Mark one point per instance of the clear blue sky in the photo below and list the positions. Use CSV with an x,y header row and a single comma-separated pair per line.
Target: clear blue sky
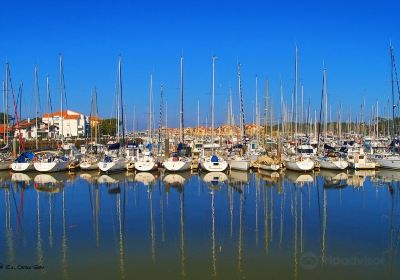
x,y
351,38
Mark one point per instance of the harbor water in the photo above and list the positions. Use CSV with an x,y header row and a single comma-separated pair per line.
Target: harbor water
x,y
324,225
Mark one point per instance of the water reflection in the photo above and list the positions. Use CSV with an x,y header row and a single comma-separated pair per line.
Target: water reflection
x,y
215,178
298,177
216,225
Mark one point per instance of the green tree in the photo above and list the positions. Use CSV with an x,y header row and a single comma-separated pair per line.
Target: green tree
x,y
108,127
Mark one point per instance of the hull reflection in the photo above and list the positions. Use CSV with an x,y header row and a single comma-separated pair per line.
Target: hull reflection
x,y
20,177
145,178
299,178
215,178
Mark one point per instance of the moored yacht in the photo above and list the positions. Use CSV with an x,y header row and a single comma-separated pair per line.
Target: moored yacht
x,y
299,164
176,163
24,162
332,163
267,163
146,163
213,164
51,161
112,164
359,160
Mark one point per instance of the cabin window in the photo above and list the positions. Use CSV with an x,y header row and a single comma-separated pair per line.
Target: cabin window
x,y
305,151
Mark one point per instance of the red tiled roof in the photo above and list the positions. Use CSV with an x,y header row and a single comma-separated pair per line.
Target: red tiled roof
x,y
71,117
2,128
58,114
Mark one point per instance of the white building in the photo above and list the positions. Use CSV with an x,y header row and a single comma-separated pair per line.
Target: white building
x,y
29,130
69,123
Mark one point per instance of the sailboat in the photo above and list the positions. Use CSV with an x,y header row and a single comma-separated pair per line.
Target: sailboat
x,y
392,159
89,162
54,161
357,159
25,161
179,162
298,162
238,161
5,155
332,160
213,163
332,163
94,150
115,159
146,162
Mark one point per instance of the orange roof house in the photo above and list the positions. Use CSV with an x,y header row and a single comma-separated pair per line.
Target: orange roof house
x,y
3,128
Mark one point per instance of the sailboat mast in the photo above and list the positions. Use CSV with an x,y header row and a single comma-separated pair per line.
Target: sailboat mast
x,y
181,126
212,103
161,120
231,106
36,106
392,82
47,105
257,113
266,111
302,109
5,117
62,98
150,109
198,117
282,109
242,125
166,118
120,103
96,114
295,93
326,107
133,122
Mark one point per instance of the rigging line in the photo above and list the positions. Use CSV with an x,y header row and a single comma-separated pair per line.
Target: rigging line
x,y
64,88
38,97
19,97
320,111
21,140
395,75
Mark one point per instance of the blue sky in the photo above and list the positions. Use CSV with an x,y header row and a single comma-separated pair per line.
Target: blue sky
x,y
352,39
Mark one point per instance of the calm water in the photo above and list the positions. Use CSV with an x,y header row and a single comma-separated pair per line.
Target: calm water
x,y
159,226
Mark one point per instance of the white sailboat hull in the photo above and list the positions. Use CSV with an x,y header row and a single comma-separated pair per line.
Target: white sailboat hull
x,y
392,163
300,165
53,166
362,165
22,166
113,166
209,166
89,165
145,166
176,166
5,165
240,164
333,164
269,167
